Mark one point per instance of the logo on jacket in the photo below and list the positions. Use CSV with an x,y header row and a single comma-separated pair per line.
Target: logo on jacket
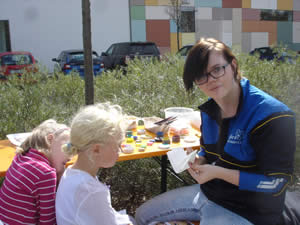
x,y
237,137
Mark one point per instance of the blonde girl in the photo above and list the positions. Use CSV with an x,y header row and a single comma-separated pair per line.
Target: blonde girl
x,y
28,192
97,132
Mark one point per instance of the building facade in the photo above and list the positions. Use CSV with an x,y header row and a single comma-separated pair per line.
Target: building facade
x,y
47,27
243,23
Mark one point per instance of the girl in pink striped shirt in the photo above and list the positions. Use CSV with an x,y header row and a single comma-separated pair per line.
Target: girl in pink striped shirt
x,y
27,195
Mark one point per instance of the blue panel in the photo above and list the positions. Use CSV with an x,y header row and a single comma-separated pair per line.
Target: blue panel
x,y
208,3
295,46
138,30
284,32
173,27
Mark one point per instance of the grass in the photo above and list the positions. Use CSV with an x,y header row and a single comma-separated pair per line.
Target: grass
x,y
146,89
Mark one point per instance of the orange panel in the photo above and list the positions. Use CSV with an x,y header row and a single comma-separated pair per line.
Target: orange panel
x,y
272,38
174,42
259,26
151,2
250,26
285,4
158,31
246,3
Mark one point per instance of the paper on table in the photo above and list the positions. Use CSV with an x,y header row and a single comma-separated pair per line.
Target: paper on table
x,y
122,217
18,138
179,159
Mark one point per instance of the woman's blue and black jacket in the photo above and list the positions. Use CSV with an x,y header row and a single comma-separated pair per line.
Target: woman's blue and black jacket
x,y
259,141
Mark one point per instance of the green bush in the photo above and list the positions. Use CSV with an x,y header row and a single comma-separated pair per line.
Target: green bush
x,y
145,90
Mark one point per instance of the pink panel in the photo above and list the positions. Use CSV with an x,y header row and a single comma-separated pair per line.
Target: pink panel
x,y
296,16
250,14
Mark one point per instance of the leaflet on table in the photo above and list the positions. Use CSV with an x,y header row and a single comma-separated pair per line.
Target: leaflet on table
x,y
17,138
179,159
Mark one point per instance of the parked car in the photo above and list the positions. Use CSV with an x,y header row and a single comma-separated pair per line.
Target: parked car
x,y
16,63
118,54
184,50
73,60
268,53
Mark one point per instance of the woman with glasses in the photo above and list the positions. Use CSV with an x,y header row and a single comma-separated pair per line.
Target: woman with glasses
x,y
247,149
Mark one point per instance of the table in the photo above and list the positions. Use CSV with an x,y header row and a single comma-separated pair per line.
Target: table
x,y
7,153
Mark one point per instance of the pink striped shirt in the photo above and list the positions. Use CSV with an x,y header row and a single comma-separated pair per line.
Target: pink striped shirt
x,y
27,195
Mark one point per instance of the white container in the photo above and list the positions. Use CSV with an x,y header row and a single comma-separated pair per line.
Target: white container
x,y
180,112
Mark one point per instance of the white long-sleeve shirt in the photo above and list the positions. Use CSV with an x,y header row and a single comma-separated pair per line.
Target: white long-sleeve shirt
x,y
83,200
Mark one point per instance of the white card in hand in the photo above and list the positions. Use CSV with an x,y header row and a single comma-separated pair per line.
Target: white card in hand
x,y
179,159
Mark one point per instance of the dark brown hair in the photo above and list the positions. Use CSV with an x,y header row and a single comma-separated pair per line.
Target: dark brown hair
x,y
197,60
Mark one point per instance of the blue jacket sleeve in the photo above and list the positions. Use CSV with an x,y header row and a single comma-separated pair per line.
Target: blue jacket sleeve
x,y
274,142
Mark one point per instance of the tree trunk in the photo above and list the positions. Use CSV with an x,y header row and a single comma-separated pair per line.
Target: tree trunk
x,y
87,46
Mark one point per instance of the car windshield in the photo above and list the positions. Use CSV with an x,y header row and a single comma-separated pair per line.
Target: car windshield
x,y
79,56
143,49
16,59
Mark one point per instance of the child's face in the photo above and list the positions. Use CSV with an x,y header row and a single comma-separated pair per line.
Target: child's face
x,y
109,154
57,158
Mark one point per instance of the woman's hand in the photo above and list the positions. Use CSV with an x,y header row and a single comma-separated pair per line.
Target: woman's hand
x,y
207,172
202,173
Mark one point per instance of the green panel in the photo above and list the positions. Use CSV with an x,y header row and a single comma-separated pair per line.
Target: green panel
x,y
284,32
295,47
137,12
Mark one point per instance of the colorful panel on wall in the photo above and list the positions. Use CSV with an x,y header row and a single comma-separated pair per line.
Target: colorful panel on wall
x,y
209,28
296,4
237,27
296,16
151,2
203,13
264,4
173,26
137,2
246,3
173,41
285,4
138,30
259,39
296,32
208,3
251,14
232,3
164,2
221,14
157,12
284,32
188,38
137,12
158,31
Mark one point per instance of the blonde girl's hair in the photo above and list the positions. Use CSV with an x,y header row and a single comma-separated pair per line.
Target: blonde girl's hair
x,y
38,138
100,123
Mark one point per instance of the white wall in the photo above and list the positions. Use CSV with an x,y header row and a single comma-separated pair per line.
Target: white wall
x,y
46,27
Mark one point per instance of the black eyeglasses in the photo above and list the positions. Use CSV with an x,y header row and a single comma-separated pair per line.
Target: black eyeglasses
x,y
216,73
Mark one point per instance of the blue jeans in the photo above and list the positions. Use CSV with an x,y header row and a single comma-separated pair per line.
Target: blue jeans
x,y
186,203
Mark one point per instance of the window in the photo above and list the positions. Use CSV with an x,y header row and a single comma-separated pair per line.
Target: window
x,y
187,24
276,15
146,49
4,36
